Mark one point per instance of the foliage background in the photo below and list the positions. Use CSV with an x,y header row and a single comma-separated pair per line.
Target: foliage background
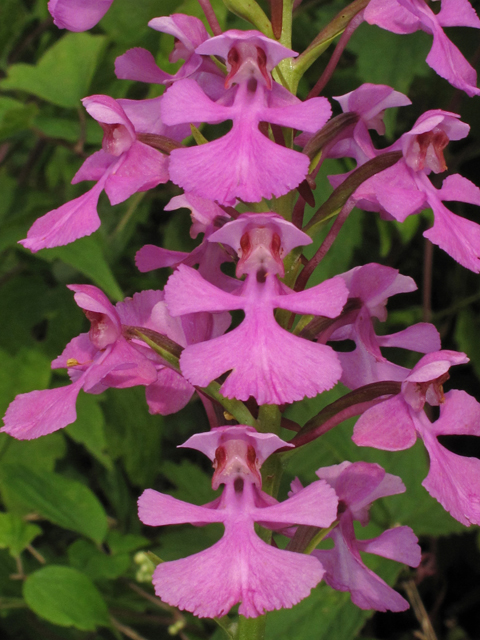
x,y
68,526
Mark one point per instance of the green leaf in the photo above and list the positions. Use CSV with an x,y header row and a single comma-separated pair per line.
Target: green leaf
x,y
86,255
65,596
133,434
68,129
63,74
124,543
89,428
23,306
65,502
126,26
35,454
15,533
26,371
15,116
84,556
329,613
193,484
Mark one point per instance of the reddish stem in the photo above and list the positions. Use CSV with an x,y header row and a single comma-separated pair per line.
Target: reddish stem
x,y
335,420
211,17
325,246
341,44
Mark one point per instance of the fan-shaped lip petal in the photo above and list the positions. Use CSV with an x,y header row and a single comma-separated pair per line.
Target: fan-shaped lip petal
x,y
232,232
238,568
221,45
264,443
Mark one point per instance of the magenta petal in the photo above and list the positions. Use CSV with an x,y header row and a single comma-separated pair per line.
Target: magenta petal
x,y
267,363
186,102
399,544
73,220
459,237
239,568
150,257
454,481
158,509
263,443
345,571
142,168
422,337
388,425
449,63
187,292
38,413
242,164
315,505
325,299
94,167
78,15
80,349
456,187
170,393
125,367
457,13
309,116
392,16
137,311
139,64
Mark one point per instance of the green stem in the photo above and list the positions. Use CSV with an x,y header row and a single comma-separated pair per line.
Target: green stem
x,y
315,541
251,628
236,408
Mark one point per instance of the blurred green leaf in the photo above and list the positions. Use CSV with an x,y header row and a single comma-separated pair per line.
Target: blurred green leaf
x,y
68,129
35,454
65,596
26,371
126,26
15,533
87,256
329,613
15,116
63,74
133,434
193,484
124,543
67,503
84,556
89,428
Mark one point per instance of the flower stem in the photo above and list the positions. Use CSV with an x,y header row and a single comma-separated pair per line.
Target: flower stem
x,y
251,628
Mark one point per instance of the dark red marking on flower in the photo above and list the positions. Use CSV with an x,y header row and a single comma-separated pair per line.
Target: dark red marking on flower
x,y
431,146
233,59
262,65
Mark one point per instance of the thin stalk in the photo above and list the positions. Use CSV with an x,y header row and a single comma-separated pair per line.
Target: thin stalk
x,y
332,63
325,37
211,17
427,281
251,628
170,351
325,246
315,541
